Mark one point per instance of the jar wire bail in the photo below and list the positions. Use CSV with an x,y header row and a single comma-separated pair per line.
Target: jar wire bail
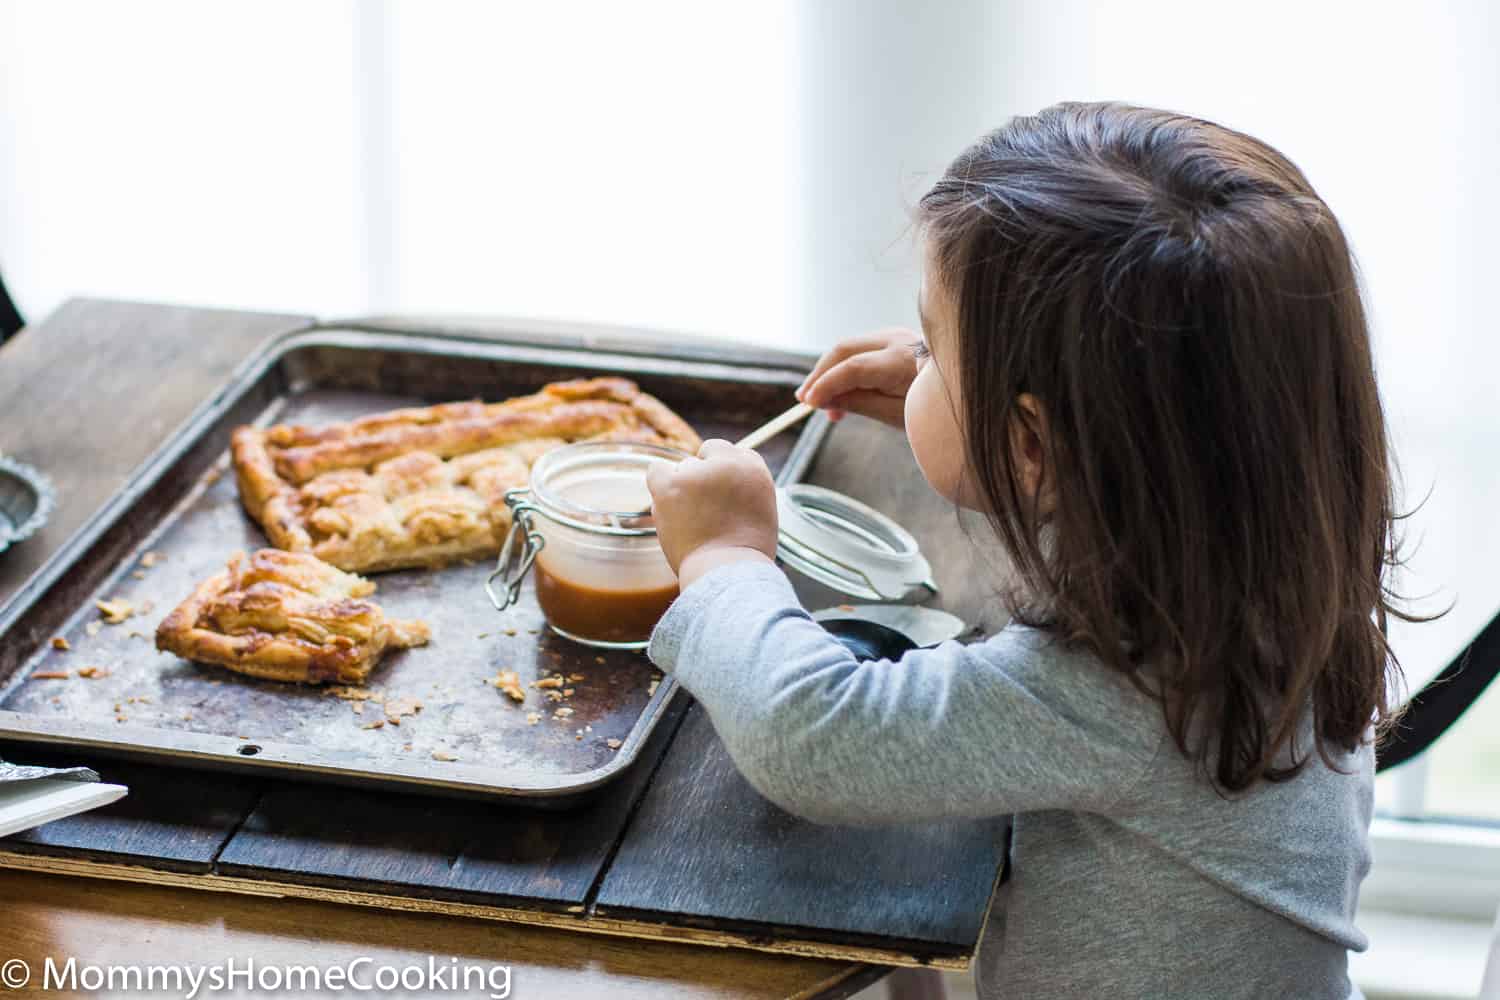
x,y
514,561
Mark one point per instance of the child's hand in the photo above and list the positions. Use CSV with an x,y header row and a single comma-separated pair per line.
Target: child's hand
x,y
719,507
868,375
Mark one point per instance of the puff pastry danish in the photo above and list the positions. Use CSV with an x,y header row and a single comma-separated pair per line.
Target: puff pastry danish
x,y
286,616
426,485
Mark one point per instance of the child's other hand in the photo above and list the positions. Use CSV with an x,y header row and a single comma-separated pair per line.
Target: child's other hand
x,y
868,375
718,507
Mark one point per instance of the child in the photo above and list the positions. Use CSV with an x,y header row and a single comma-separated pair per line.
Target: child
x,y
1144,359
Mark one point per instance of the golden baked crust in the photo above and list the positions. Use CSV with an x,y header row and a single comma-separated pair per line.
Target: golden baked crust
x,y
426,485
286,616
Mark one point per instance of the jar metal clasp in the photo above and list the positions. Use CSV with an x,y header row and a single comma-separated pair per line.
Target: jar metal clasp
x,y
522,543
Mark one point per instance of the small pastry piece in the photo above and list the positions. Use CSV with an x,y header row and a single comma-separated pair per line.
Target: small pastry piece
x,y
115,611
509,683
286,616
426,486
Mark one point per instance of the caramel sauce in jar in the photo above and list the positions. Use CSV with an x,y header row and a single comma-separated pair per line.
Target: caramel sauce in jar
x,y
597,587
584,611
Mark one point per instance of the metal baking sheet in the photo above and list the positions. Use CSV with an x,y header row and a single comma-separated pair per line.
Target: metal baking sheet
x,y
183,504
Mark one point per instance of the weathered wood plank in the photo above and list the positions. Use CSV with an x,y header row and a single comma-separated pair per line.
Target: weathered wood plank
x,y
173,819
705,847
441,848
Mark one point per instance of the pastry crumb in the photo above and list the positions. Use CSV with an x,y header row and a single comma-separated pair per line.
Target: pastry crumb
x,y
115,611
443,755
510,684
562,713
93,627
51,675
575,677
139,574
352,693
377,724
58,642
395,708
548,682
612,743
93,673
567,692
510,631
152,558
532,718
599,659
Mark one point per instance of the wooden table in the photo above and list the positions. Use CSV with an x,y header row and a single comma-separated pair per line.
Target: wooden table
x,y
122,923
89,394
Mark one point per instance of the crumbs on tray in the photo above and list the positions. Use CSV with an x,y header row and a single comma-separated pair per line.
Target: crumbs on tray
x,y
115,611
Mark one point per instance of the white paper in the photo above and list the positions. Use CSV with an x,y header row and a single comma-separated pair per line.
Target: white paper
x,y
25,804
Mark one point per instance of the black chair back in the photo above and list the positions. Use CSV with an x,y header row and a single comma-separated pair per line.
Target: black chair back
x,y
10,317
1435,708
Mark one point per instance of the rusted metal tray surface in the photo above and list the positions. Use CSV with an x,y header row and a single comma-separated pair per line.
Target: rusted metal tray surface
x,y
184,506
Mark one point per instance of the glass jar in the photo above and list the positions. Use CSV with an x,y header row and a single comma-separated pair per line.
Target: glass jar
x,y
583,527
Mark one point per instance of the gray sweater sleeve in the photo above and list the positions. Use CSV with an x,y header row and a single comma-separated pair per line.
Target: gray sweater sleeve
x,y
1014,723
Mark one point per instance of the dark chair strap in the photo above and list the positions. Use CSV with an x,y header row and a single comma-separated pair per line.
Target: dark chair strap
x,y
10,317
1443,699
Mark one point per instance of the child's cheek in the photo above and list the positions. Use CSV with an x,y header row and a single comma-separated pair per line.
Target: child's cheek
x,y
934,434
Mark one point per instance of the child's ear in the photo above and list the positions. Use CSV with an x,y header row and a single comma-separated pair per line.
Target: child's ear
x,y
1029,446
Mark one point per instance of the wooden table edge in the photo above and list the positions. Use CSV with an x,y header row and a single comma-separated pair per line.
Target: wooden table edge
x,y
588,924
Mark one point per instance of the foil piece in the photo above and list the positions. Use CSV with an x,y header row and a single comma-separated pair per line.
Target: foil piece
x,y
30,772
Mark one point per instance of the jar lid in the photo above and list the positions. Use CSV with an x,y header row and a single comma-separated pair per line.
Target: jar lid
x,y
849,546
26,498
599,486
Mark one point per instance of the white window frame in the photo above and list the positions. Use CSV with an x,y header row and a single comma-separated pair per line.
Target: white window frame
x,y
1431,867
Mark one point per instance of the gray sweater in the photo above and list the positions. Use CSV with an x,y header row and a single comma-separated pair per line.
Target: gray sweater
x,y
1130,876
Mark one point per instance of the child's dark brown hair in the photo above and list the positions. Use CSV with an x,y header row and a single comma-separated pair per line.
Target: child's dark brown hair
x,y
1185,309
